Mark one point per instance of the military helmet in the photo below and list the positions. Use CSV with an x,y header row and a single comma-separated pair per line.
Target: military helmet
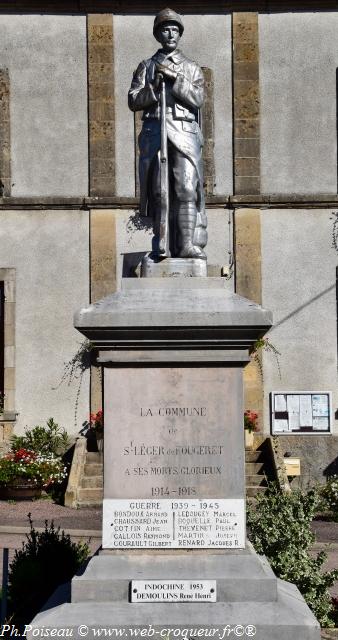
x,y
168,15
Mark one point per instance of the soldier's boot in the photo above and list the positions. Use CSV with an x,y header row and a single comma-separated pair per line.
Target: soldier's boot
x,y
186,223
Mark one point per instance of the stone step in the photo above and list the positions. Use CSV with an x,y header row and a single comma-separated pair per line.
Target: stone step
x,y
252,492
94,456
239,575
93,469
252,468
89,495
256,480
252,456
89,504
92,482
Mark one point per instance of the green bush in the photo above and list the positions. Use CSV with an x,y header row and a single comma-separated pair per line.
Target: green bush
x,y
280,528
46,560
48,440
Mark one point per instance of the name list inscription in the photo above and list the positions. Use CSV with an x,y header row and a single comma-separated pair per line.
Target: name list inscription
x,y
173,524
173,591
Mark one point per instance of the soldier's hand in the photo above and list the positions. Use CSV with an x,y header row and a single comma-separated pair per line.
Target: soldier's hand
x,y
166,72
158,80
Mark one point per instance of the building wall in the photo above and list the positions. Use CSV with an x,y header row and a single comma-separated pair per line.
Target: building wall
x,y
298,63
47,63
49,252
299,287
298,106
318,458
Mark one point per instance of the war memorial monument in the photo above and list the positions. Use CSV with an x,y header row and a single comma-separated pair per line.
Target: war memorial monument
x,y
175,561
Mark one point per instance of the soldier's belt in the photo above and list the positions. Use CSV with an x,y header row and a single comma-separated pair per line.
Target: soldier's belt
x,y
186,118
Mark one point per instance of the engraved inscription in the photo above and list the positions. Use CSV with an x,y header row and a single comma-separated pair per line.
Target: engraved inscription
x,y
173,436
173,591
173,524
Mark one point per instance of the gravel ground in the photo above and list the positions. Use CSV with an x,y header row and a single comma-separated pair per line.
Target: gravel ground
x,y
325,531
15,514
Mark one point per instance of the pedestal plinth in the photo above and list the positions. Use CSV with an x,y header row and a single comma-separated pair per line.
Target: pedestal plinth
x,y
175,560
173,267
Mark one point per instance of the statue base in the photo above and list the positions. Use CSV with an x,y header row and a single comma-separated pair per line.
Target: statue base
x,y
250,600
179,345
173,267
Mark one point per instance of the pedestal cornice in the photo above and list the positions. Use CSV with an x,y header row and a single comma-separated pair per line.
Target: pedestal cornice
x,y
173,314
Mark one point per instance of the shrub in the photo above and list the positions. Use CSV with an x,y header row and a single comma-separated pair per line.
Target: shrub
x,y
46,560
280,528
329,494
48,440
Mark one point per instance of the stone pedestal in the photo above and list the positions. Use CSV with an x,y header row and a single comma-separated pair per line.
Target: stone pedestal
x,y
175,560
251,602
173,267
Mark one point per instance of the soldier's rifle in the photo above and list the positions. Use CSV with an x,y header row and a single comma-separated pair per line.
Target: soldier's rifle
x,y
164,177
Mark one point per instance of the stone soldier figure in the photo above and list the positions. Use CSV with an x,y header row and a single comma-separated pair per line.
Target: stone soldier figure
x,y
170,72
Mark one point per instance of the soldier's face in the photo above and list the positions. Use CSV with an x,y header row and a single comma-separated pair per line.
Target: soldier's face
x,y
168,34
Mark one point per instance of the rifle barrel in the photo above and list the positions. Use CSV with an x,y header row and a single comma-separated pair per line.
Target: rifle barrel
x,y
164,178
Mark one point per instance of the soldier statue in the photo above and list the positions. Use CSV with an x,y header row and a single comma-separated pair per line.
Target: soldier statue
x,y
168,88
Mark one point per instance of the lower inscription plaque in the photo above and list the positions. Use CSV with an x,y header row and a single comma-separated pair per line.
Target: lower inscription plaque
x,y
173,591
174,524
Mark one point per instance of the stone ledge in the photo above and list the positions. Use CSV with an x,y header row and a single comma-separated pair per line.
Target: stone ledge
x,y
190,6
173,313
226,201
8,416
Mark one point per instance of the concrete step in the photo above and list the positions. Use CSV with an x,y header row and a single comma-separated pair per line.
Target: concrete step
x,y
252,468
239,575
252,492
252,456
90,495
94,456
92,482
93,469
256,480
285,617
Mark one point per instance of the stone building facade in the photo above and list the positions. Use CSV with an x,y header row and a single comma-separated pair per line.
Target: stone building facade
x,y
69,227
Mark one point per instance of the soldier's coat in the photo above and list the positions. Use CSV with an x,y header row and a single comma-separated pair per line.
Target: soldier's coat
x,y
184,97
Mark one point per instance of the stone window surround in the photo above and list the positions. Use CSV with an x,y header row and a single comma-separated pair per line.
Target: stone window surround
x,y
5,134
8,276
